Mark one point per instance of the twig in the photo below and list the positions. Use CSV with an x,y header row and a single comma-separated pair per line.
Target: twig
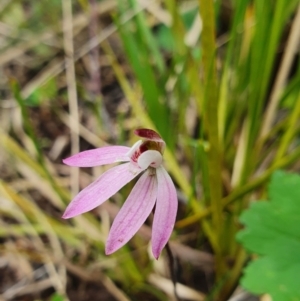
x,y
95,71
89,136
184,291
71,84
95,75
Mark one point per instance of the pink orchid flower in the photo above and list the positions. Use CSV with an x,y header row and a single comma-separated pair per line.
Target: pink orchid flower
x,y
153,188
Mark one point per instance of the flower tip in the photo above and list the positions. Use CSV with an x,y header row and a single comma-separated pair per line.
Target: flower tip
x,y
156,253
69,213
108,252
66,216
109,249
65,161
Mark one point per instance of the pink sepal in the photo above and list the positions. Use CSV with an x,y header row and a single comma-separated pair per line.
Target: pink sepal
x,y
102,189
133,213
99,156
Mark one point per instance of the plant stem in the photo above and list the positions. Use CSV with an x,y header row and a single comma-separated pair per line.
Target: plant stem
x,y
208,44
173,269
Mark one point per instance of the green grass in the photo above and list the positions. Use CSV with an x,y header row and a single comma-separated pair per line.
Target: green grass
x,y
228,108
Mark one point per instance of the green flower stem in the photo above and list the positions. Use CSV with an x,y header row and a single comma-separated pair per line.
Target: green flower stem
x,y
234,274
208,44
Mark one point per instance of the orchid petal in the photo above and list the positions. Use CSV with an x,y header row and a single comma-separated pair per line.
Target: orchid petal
x,y
134,212
99,156
102,189
165,211
133,149
152,136
150,157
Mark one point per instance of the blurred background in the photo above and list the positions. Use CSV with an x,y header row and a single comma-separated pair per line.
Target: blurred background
x,y
219,80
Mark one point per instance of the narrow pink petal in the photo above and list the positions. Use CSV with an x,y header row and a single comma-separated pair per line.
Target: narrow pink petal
x,y
134,212
99,156
165,211
101,189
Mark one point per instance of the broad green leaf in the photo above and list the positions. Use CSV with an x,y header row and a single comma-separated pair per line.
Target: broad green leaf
x,y
272,232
